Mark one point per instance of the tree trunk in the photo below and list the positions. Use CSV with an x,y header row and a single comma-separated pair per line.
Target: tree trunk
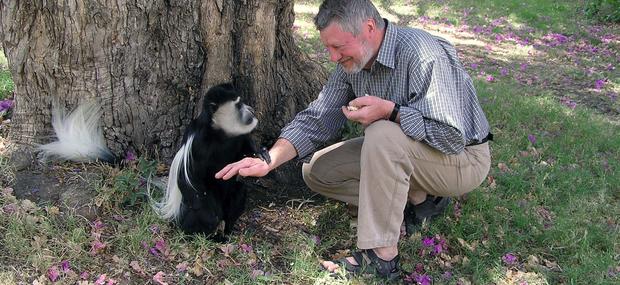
x,y
149,62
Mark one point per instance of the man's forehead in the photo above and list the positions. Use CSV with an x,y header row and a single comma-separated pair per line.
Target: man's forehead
x,y
334,34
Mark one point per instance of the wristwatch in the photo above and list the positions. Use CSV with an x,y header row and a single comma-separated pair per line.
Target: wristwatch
x,y
395,112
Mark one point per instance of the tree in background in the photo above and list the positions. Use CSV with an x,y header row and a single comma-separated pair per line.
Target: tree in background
x,y
149,62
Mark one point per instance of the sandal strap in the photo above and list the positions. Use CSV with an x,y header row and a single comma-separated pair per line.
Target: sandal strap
x,y
383,267
348,266
369,263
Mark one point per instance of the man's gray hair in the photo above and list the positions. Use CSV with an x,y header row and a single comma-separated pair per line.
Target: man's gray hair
x,y
349,14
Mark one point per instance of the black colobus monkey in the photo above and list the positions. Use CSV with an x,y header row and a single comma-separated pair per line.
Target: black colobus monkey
x,y
194,198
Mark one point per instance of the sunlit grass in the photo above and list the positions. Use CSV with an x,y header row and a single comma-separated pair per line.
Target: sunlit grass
x,y
552,203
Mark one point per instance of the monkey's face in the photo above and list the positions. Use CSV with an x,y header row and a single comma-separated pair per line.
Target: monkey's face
x,y
234,118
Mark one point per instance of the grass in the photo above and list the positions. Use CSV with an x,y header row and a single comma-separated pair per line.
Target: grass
x,y
6,82
547,213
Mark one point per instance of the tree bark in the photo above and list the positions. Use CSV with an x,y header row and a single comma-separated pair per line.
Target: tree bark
x,y
149,62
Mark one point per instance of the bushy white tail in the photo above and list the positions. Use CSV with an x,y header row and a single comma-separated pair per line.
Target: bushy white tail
x,y
80,138
170,206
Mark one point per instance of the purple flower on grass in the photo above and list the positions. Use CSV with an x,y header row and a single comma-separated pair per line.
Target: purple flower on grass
x,y
523,66
532,139
509,259
599,84
437,249
246,248
84,275
490,78
447,275
101,279
53,274
130,156
96,246
418,278
503,71
423,279
428,241
160,245
6,104
65,266
98,225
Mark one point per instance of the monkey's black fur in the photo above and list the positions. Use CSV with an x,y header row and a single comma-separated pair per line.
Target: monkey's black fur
x,y
219,136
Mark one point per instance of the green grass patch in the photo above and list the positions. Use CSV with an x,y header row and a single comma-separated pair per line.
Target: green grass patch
x,y
6,81
547,214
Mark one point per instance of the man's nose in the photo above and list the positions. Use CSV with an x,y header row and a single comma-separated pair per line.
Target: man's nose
x,y
334,55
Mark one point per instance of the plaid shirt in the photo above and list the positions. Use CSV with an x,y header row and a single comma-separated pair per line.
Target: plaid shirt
x,y
419,71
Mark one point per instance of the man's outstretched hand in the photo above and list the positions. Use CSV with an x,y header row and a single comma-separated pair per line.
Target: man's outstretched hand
x,y
248,166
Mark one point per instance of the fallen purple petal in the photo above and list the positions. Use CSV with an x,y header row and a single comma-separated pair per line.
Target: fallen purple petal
x,y
65,266
84,275
428,241
130,156
101,279
53,274
599,84
509,259
6,104
423,279
159,277
246,248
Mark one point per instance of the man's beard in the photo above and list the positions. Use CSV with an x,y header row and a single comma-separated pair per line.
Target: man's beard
x,y
359,65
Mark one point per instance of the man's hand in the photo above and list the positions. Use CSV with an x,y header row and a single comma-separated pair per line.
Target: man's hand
x,y
248,166
369,109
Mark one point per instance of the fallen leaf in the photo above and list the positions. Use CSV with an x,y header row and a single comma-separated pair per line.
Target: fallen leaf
x,y
503,167
53,210
227,249
158,277
137,268
491,181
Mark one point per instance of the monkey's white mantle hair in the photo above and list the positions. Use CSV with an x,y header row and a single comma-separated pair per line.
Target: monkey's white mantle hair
x,y
80,137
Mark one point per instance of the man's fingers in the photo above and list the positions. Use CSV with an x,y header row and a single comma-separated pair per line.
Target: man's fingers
x,y
224,170
229,170
244,167
255,170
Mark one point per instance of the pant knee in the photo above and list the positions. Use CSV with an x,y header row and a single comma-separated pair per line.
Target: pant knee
x,y
384,136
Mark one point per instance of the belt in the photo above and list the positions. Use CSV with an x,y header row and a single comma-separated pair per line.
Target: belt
x,y
489,137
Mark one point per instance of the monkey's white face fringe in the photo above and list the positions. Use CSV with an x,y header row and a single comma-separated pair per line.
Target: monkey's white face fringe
x,y
80,138
169,207
228,119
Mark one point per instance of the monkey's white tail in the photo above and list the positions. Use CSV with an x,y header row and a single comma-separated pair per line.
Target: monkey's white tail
x,y
169,207
80,138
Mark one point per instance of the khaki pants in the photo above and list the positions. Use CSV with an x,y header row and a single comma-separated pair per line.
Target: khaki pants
x,y
378,171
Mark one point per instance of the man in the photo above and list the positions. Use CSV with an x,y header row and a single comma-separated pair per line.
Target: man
x,y
424,138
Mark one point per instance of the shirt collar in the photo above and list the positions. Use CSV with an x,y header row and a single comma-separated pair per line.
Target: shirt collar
x,y
386,52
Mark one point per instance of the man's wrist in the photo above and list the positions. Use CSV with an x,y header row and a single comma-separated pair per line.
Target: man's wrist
x,y
394,113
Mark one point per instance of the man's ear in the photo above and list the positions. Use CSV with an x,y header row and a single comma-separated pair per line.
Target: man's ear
x,y
370,25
